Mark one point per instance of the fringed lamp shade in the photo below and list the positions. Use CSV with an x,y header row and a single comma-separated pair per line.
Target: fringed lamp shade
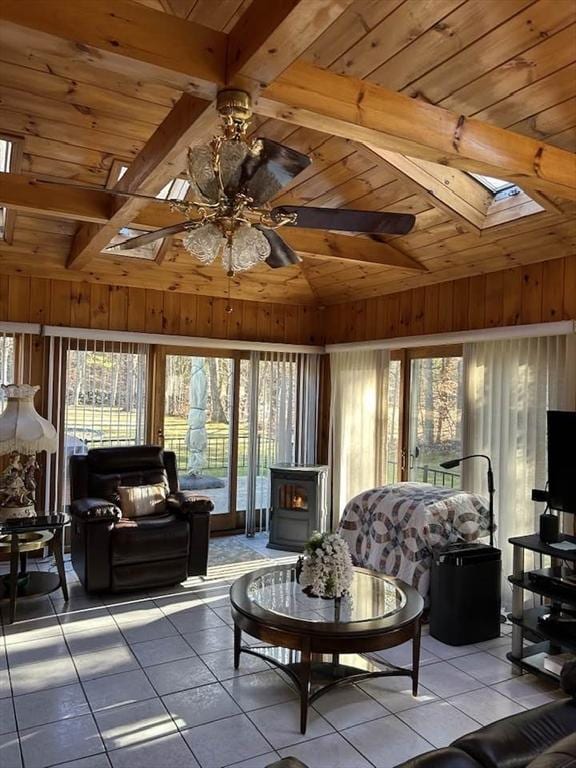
x,y
22,429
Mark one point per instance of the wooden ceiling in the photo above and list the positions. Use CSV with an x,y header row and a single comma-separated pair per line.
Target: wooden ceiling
x,y
507,63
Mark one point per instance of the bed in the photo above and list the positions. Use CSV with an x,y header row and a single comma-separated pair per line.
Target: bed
x,y
392,529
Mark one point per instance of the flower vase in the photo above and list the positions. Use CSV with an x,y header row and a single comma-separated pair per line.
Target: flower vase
x,y
326,569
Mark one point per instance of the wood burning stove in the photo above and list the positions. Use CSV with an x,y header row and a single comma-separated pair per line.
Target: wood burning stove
x,y
298,498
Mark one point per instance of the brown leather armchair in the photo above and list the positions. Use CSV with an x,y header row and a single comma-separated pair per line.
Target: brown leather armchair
x,y
116,553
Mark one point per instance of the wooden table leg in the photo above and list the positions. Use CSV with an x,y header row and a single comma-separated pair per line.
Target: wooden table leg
x,y
305,676
14,563
237,645
57,550
416,655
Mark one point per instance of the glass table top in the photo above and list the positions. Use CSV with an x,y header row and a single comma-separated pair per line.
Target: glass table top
x,y
38,522
371,597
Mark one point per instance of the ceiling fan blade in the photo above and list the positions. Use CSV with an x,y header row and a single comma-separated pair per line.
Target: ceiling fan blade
x,y
150,237
345,220
266,173
95,188
281,255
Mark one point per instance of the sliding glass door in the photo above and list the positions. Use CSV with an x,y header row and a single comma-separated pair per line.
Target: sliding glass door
x,y
227,414
435,419
198,423
103,397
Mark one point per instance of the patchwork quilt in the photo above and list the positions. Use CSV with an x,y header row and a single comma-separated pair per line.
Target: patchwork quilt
x,y
392,529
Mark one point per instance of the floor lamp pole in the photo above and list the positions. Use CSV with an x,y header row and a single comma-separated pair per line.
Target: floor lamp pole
x,y
491,490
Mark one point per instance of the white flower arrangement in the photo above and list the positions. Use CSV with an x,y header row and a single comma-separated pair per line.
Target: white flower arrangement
x,y
326,566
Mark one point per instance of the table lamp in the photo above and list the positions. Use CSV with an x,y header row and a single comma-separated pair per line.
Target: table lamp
x,y
23,434
456,462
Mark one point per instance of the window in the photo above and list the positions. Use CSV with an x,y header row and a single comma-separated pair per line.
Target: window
x,y
10,161
435,419
149,251
494,185
176,189
7,359
393,430
198,422
105,397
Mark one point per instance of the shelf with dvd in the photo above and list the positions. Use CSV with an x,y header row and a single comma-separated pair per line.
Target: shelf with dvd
x,y
552,583
552,625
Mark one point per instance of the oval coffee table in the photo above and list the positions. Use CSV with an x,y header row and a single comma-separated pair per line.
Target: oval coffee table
x,y
318,642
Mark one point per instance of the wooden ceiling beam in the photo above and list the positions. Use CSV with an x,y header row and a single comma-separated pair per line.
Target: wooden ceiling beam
x,y
446,188
144,40
129,38
270,36
160,160
28,195
23,193
363,250
355,109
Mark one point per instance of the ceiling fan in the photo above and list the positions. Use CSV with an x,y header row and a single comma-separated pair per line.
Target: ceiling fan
x,y
232,179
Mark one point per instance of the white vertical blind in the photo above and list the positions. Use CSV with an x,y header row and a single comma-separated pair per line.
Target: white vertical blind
x,y
358,423
509,386
283,422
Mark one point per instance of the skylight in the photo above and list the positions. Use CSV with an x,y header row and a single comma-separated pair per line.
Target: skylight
x,y
492,184
175,189
148,251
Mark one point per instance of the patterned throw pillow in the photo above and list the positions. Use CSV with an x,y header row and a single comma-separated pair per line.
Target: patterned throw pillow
x,y
142,500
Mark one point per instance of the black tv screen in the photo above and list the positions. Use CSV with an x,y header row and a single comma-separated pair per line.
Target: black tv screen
x,y
562,460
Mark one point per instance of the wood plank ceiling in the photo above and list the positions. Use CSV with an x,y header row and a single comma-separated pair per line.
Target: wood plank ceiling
x,y
511,64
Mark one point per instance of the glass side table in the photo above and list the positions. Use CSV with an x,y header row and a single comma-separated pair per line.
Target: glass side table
x,y
18,536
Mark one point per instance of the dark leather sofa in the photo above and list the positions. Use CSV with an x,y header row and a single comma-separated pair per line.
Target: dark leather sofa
x,y
544,737
113,553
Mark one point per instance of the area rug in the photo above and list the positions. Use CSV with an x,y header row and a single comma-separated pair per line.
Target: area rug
x,y
231,549
231,557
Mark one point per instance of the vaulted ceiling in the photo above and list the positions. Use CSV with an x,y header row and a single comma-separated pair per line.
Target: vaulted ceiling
x,y
508,64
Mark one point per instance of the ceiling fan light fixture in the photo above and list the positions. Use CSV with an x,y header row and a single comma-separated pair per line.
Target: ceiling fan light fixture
x,y
232,180
242,250
204,243
248,247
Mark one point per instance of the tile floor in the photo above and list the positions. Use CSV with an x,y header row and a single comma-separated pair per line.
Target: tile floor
x,y
147,681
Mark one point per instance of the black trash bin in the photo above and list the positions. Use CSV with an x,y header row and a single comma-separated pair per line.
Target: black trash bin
x,y
465,593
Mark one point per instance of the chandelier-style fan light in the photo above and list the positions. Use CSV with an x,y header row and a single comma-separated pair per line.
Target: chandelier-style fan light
x,y
232,179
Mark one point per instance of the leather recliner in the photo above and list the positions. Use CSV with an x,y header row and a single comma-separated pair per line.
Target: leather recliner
x,y
544,737
111,552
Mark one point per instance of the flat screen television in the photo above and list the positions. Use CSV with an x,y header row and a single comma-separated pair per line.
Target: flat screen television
x,y
562,460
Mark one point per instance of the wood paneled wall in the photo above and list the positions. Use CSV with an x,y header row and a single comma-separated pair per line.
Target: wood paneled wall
x,y
541,292
536,293
121,308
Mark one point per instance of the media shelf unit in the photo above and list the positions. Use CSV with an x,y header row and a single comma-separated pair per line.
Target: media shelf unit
x,y
549,640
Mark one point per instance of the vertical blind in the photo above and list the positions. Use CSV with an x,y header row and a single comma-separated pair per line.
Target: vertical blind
x,y
358,423
283,422
97,399
7,364
95,393
509,385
